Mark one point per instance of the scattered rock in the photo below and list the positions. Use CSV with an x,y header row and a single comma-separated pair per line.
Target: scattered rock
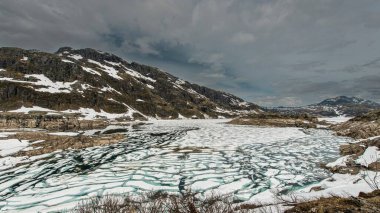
x,y
316,188
113,131
366,202
360,127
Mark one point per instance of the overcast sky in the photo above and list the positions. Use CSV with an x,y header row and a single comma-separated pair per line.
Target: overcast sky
x,y
270,52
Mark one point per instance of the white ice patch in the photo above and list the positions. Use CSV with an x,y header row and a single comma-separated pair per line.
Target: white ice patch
x,y
52,87
92,71
24,58
109,70
113,63
64,133
90,114
67,61
76,57
26,110
150,86
11,146
181,116
180,82
140,100
2,70
6,134
109,89
196,93
335,120
340,162
370,155
137,74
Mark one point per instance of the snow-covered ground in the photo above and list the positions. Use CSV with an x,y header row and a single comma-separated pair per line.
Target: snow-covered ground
x,y
203,155
335,120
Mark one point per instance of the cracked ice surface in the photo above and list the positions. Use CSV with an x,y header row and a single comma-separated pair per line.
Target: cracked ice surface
x,y
204,155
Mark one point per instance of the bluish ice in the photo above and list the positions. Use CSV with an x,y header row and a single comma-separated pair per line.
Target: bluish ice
x,y
204,156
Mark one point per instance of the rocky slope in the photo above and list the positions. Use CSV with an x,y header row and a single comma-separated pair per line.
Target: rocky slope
x,y
338,106
360,127
365,202
96,83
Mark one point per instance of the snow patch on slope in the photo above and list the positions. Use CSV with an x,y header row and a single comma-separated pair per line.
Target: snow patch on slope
x,y
52,87
26,110
76,57
109,89
137,74
42,80
370,155
92,71
109,70
10,146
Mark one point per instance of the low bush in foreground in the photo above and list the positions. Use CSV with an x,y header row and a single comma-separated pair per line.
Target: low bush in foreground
x,y
161,202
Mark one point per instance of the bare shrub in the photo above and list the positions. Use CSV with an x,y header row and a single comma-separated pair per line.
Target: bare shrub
x,y
160,202
373,181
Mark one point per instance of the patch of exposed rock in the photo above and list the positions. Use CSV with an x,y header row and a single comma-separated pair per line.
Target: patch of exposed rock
x,y
360,127
352,152
61,122
365,202
277,120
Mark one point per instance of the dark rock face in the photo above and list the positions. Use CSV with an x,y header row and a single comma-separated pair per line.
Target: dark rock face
x,y
93,79
61,122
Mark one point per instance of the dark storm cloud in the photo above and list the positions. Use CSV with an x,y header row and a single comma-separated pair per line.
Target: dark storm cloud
x,y
275,52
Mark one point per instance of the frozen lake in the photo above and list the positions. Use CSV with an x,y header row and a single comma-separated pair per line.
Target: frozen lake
x,y
202,155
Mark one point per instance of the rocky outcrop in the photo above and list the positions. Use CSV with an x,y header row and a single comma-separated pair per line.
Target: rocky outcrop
x,y
351,153
61,122
277,120
365,202
360,127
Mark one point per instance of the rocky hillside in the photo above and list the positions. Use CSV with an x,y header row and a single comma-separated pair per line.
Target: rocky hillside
x,y
99,84
338,106
360,127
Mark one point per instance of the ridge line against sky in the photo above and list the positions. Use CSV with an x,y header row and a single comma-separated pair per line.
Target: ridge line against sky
x,y
270,52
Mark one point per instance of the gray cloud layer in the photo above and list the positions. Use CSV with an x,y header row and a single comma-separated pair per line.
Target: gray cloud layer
x,y
274,52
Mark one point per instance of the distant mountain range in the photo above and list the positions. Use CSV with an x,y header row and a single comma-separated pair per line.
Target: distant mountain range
x,y
100,83
338,106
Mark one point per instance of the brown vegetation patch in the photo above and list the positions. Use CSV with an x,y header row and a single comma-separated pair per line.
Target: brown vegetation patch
x,y
158,202
277,120
51,143
366,202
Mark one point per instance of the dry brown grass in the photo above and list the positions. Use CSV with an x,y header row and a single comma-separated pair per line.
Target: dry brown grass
x,y
366,202
161,202
53,143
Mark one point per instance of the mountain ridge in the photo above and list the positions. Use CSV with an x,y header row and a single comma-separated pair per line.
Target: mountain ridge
x,y
88,79
336,106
